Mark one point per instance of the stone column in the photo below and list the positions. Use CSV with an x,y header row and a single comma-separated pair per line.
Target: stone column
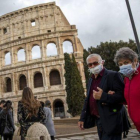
x,y
45,78
28,53
60,48
62,75
28,79
13,83
48,79
43,51
12,56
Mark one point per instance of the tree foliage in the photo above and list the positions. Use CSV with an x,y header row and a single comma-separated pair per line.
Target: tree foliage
x,y
74,86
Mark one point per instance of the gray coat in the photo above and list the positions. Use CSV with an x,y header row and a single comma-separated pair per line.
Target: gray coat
x,y
48,121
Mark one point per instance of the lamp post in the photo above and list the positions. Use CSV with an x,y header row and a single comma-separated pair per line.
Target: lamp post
x,y
133,26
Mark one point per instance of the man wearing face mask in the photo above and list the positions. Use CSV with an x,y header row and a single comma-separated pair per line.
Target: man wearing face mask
x,y
128,62
103,108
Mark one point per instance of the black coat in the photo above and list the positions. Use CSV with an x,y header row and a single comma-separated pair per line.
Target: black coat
x,y
10,120
111,120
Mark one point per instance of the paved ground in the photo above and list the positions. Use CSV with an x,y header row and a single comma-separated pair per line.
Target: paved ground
x,y
133,135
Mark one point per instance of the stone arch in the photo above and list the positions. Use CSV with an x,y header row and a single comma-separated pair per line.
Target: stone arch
x,y
58,107
54,77
7,58
68,46
38,80
51,49
22,82
36,52
21,54
8,85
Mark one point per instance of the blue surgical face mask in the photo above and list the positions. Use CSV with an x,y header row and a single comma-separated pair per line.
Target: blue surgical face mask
x,y
127,70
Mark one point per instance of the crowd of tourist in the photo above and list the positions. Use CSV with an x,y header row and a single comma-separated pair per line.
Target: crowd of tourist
x,y
30,110
107,93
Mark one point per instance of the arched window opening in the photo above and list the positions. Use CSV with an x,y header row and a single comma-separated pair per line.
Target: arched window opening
x,y
67,47
38,80
51,49
8,85
21,55
59,109
7,58
36,52
55,78
22,82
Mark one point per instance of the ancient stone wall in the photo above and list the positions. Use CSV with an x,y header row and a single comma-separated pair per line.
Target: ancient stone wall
x,y
37,25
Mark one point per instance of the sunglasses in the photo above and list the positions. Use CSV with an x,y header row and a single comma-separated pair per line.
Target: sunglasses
x,y
93,63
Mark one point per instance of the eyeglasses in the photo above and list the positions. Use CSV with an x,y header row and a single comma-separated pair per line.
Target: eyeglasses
x,y
93,63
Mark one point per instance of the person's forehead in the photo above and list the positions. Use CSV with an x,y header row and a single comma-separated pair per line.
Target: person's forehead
x,y
96,58
124,60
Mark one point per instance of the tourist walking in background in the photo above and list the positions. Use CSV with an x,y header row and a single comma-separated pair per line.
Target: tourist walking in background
x,y
29,111
100,107
48,121
7,121
2,104
128,62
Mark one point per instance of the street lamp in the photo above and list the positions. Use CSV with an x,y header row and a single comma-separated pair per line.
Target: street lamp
x,y
133,26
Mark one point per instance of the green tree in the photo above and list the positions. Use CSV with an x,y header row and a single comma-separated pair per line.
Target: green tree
x,y
77,90
68,67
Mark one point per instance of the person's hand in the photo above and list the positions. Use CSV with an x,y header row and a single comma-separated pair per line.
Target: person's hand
x,y
97,94
81,125
111,92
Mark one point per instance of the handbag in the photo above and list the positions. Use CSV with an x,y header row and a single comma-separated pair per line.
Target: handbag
x,y
89,121
7,129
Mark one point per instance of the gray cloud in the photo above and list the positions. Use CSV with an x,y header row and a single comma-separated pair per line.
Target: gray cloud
x,y
96,20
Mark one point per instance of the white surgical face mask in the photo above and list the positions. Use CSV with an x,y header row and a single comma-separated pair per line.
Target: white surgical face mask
x,y
96,70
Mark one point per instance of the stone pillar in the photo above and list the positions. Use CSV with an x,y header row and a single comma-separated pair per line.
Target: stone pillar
x,y
62,75
60,48
13,83
45,78
28,79
48,79
12,57
43,51
28,53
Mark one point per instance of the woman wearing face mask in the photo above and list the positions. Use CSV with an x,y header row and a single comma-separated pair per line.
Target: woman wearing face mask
x,y
127,60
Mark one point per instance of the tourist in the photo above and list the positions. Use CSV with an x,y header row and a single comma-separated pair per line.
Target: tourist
x,y
29,111
100,107
48,121
127,60
7,121
2,104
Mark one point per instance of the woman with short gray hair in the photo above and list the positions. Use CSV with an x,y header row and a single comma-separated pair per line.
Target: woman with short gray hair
x,y
127,60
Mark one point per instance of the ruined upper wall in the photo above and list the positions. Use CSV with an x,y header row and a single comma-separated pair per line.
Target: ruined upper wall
x,y
32,21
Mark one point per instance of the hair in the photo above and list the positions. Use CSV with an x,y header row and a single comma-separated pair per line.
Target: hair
x,y
47,103
94,55
8,106
29,102
2,102
125,53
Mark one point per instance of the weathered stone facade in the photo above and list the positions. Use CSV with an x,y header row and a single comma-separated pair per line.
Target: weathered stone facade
x,y
17,32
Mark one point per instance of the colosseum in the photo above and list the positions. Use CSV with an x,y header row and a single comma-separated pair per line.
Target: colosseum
x,y
33,41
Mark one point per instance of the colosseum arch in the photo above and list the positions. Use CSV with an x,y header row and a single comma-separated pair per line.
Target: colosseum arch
x,y
55,77
22,82
58,108
51,49
7,58
8,84
68,46
36,52
38,80
21,54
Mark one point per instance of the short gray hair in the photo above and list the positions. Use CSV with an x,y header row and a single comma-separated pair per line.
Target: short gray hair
x,y
125,53
94,55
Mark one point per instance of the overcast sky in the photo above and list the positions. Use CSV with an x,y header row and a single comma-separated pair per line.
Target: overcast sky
x,y
96,20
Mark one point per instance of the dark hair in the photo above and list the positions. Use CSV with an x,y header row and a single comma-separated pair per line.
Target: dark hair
x,y
47,103
8,105
2,102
